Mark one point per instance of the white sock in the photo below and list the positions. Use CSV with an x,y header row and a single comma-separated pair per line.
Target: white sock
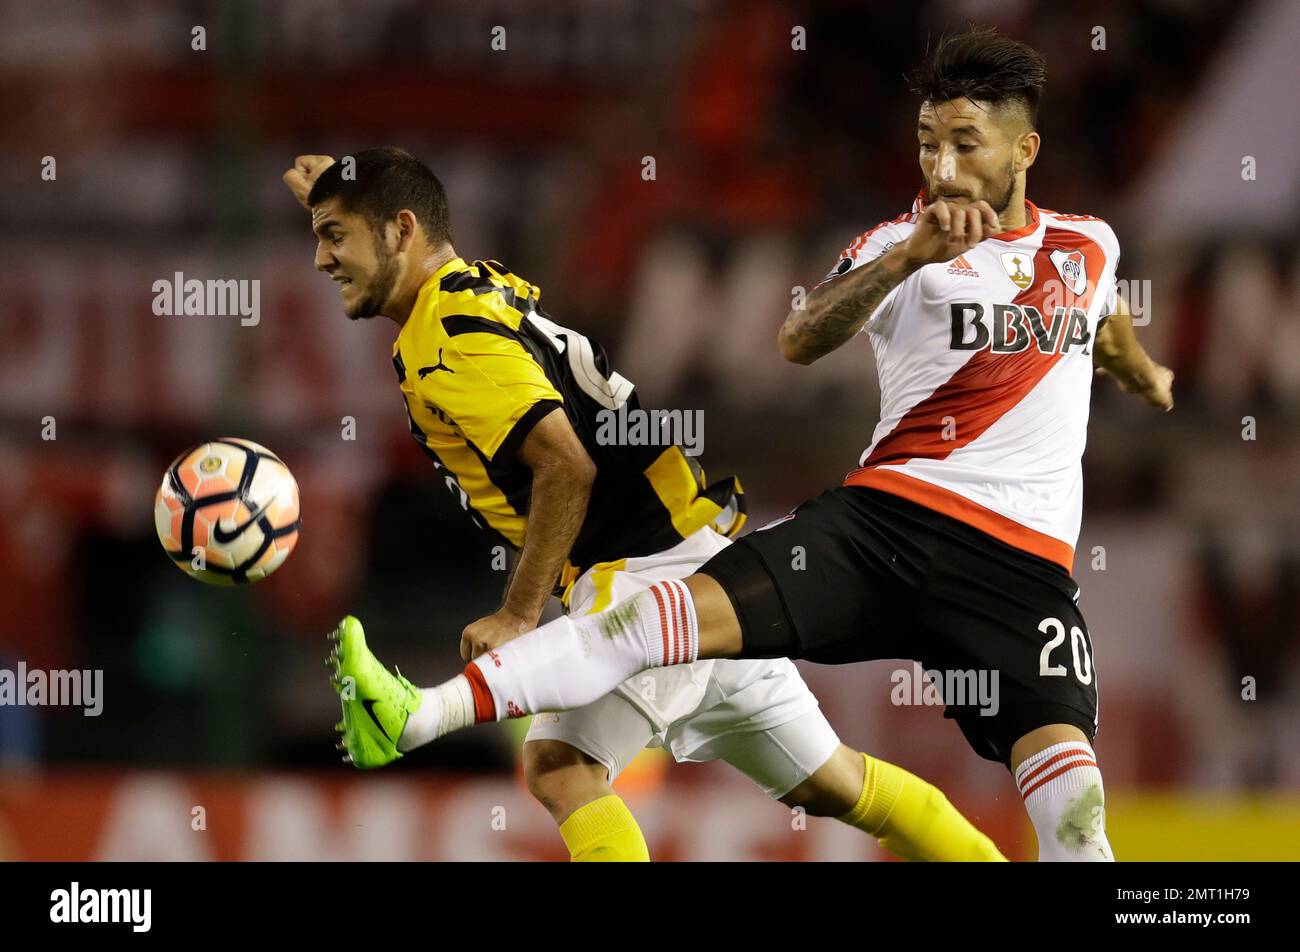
x,y
1061,786
448,707
573,661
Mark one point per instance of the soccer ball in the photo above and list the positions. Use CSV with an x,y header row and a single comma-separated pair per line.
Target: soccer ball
x,y
227,512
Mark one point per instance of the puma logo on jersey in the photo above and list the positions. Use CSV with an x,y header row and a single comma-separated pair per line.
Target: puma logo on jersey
x,y
961,267
1011,328
425,371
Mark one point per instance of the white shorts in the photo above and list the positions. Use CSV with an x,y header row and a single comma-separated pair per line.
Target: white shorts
x,y
758,716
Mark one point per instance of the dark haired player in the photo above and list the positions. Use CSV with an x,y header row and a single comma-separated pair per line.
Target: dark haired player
x,y
506,403
952,543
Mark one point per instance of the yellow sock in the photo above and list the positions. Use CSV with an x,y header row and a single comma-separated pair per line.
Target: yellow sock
x,y
604,831
914,820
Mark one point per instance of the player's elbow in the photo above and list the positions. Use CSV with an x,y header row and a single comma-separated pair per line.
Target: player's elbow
x,y
568,476
1106,350
1105,359
793,348
579,470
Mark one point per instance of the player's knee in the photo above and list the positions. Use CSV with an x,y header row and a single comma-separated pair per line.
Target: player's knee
x,y
812,800
562,778
832,789
549,764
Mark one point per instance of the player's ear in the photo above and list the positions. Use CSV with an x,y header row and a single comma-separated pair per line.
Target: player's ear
x,y
406,229
1026,150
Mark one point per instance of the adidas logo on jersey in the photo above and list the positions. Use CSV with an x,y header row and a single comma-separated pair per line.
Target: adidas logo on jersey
x,y
961,267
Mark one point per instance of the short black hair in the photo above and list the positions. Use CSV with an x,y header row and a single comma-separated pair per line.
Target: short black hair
x,y
384,181
982,64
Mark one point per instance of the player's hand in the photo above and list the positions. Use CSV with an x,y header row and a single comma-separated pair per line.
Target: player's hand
x,y
1156,386
947,229
493,632
306,169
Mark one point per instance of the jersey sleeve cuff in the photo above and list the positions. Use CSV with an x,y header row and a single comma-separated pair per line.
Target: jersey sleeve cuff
x,y
523,426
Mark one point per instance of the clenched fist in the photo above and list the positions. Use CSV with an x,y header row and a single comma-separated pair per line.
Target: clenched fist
x,y
1155,385
947,229
306,169
493,632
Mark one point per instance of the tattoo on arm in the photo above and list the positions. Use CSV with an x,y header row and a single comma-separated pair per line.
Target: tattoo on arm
x,y
838,309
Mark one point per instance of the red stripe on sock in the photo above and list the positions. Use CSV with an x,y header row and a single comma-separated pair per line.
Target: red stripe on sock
x,y
1054,759
679,624
663,621
1056,773
670,599
485,709
686,622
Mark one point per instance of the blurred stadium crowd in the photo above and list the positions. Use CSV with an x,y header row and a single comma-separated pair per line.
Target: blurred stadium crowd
x,y
768,160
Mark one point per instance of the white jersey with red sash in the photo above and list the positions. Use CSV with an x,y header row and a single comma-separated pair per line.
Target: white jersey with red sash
x,y
985,366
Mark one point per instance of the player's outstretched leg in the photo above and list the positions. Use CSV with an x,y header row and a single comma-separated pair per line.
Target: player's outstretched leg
x,y
570,662
1057,775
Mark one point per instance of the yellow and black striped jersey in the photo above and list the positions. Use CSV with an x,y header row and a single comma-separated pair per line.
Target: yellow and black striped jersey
x,y
479,363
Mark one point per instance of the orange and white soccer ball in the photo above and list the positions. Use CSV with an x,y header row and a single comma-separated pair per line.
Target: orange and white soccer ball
x,y
227,512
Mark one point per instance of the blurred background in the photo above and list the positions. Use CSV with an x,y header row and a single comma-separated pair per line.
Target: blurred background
x,y
780,131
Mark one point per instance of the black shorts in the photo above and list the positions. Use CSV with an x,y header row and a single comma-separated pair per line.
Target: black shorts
x,y
861,575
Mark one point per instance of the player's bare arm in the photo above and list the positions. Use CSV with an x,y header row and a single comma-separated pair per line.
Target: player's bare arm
x,y
563,474
836,311
1119,354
